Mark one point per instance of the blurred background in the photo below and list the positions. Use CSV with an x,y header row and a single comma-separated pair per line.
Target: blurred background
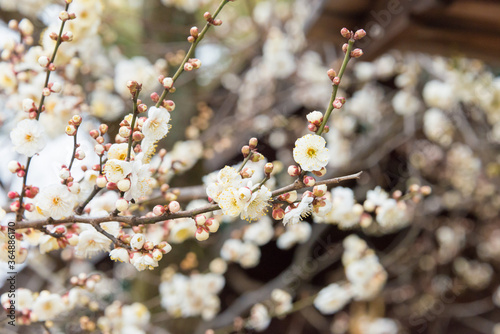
x,y
423,107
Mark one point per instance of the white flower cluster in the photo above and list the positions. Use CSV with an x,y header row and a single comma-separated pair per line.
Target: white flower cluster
x,y
191,296
260,316
247,253
345,212
120,319
236,197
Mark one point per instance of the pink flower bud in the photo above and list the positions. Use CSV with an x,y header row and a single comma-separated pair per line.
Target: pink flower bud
x,y
67,36
111,186
12,194
13,166
359,34
29,207
174,206
191,39
14,206
137,136
356,53
21,173
207,16
336,81
217,22
294,170
253,142
46,91
345,47
94,133
337,104
53,36
158,210
346,33
188,67
124,131
309,181
142,108
169,105
311,127
194,32
149,245
77,120
195,62
155,97
201,234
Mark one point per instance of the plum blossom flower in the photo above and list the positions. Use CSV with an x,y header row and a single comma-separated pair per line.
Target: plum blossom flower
x,y
332,298
55,201
302,210
156,126
28,137
116,170
310,152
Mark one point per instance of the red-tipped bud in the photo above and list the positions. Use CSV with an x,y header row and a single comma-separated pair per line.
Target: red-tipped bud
x,y
294,170
309,181
188,67
201,234
359,34
155,97
212,225
137,136
94,133
169,105
346,33
13,194
331,73
168,83
320,172
311,127
174,206
320,191
356,53
194,32
200,220
111,186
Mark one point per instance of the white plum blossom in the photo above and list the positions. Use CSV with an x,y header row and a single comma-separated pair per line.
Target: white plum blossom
x,y
116,170
119,254
295,233
310,152
332,298
257,205
119,151
259,318
438,94
141,182
405,103
28,137
91,242
55,201
260,232
181,229
156,126
302,210
48,306
393,215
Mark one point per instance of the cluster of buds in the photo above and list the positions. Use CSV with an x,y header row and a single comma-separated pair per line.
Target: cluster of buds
x,y
125,132
30,107
338,102
29,192
205,227
65,16
278,213
143,254
211,20
172,207
65,37
134,87
73,125
251,148
52,87
193,34
16,168
99,148
85,281
352,36
192,64
25,28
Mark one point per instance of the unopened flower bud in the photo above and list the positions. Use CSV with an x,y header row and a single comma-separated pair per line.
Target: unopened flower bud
x,y
123,185
359,34
12,194
201,234
188,67
194,32
94,133
155,97
212,225
294,170
252,143
46,91
174,206
142,108
311,127
26,27
169,105
414,188
44,61
29,207
157,255
336,81
356,53
346,33
278,213
345,47
191,39
111,186
53,36
207,16
200,220
256,157
245,150
309,181
331,73
99,149
320,190
247,173
425,190
101,181
13,24
13,166
320,172
137,136
158,210
14,206
315,117
67,36
165,247
148,245
121,204
168,82
268,168
195,62
74,188
337,104
64,173
103,128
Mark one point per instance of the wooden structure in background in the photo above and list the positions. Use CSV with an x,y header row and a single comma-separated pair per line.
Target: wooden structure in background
x,y
446,27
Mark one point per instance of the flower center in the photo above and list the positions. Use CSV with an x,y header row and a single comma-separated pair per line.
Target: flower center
x,y
28,137
56,200
311,152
